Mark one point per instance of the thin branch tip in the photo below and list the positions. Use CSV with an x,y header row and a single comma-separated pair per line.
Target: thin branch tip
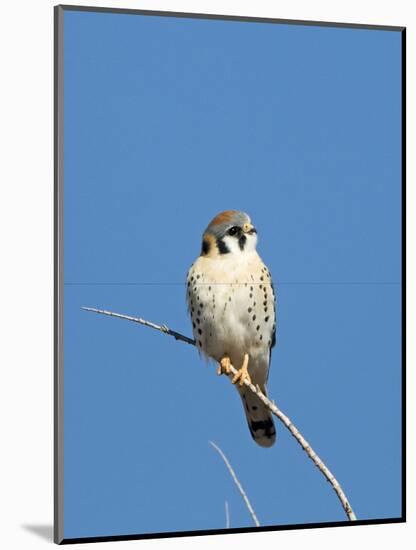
x,y
237,483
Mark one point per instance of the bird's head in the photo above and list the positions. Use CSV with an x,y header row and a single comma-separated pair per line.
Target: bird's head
x,y
230,232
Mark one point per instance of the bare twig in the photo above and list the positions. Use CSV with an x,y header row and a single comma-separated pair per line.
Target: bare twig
x,y
161,328
227,516
269,404
238,484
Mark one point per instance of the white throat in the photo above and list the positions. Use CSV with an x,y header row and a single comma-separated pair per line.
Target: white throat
x,y
235,248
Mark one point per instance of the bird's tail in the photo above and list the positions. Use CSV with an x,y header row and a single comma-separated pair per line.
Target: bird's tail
x,y
259,418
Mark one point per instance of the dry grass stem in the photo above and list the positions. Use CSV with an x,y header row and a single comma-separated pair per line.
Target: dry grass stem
x,y
238,484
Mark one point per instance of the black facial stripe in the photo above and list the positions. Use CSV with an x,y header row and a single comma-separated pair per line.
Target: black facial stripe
x,y
242,242
222,247
205,247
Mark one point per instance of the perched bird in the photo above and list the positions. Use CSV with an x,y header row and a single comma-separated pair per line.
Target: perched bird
x,y
231,302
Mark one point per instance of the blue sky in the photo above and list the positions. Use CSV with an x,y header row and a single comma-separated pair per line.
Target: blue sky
x,y
167,122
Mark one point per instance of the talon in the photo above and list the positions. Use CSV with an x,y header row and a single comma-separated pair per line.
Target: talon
x,y
224,367
242,374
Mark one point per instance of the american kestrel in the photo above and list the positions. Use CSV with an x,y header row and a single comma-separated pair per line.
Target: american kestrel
x,y
231,302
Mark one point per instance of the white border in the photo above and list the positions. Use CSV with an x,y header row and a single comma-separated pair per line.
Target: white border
x,y
26,229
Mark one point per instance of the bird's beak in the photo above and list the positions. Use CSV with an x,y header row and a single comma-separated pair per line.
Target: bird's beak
x,y
249,228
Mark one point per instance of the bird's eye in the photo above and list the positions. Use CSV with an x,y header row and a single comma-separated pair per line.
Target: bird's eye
x,y
233,230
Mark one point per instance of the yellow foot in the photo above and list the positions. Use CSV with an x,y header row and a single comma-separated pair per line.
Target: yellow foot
x,y
242,374
224,367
